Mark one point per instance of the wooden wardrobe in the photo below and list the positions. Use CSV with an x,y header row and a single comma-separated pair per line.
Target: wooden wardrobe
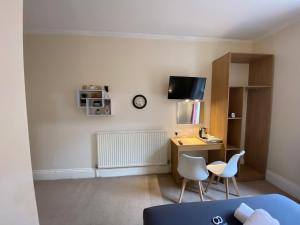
x,y
226,99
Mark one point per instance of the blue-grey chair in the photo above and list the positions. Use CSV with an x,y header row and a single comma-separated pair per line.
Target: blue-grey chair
x,y
192,168
226,171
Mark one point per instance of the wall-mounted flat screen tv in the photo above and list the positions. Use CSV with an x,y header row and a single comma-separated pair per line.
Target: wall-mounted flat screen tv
x,y
181,87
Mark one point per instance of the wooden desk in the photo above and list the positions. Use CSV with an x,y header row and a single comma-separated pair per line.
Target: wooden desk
x,y
189,144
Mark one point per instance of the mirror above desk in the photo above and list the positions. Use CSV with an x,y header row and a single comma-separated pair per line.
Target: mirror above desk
x,y
190,112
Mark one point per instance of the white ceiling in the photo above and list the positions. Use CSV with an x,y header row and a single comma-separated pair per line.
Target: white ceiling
x,y
230,19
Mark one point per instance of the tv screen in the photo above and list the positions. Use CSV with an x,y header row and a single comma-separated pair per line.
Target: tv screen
x,y
186,87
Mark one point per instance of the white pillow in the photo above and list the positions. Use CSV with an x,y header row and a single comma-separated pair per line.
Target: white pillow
x,y
261,217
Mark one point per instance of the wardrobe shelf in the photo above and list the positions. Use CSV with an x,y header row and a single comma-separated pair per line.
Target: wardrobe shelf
x,y
232,148
251,86
248,173
235,118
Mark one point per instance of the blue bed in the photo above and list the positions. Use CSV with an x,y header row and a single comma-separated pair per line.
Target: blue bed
x,y
200,213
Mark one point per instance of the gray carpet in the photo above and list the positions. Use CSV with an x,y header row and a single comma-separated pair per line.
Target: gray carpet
x,y
121,200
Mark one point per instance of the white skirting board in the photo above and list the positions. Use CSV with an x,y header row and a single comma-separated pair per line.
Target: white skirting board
x,y
58,174
130,171
78,173
283,183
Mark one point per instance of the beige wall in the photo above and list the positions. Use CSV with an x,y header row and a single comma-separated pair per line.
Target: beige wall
x,y
284,152
61,135
17,204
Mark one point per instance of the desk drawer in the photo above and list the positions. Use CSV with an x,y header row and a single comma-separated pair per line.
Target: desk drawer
x,y
200,147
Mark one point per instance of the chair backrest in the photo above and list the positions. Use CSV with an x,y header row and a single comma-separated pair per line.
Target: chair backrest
x,y
192,168
232,165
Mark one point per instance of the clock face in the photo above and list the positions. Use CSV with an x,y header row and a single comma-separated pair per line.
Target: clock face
x,y
139,101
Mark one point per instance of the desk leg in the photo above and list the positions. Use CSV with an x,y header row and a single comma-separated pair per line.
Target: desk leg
x,y
174,162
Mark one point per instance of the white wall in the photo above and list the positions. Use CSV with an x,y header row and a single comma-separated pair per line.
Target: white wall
x,y
17,204
284,154
61,135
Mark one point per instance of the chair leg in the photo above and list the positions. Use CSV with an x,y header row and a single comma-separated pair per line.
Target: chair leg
x,y
210,181
218,180
200,190
202,187
226,187
182,189
235,186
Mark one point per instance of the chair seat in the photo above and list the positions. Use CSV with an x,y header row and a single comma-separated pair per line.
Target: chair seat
x,y
217,167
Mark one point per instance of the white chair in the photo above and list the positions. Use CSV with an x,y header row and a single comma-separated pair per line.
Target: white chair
x,y
226,171
192,168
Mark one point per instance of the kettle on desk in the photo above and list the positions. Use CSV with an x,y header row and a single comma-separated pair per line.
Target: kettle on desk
x,y
203,133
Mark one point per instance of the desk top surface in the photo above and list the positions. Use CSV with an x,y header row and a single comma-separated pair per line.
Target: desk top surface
x,y
189,141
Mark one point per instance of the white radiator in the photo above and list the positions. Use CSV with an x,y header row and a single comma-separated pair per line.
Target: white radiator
x,y
123,149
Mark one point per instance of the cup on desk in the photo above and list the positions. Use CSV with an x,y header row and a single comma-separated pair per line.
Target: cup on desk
x,y
232,115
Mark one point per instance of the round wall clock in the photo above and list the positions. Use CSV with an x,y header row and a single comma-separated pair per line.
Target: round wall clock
x,y
139,101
